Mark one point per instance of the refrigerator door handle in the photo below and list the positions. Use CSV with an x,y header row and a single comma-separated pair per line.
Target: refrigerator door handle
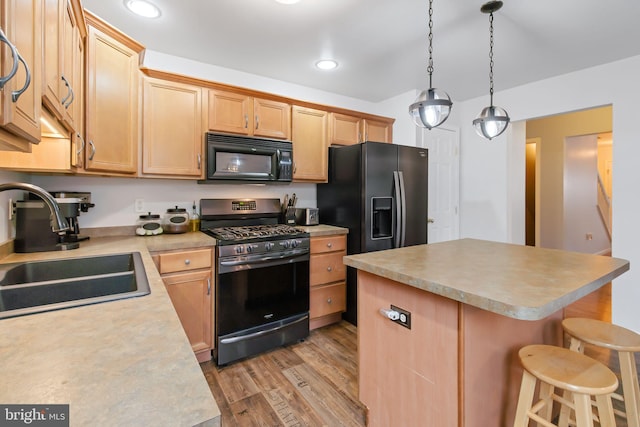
x,y
397,190
403,222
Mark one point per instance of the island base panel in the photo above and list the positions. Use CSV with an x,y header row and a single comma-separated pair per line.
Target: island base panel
x,y
407,376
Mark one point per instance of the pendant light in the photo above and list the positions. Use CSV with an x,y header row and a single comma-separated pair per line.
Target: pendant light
x,y
432,107
492,120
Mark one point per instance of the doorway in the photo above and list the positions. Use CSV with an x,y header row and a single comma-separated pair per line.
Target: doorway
x,y
553,170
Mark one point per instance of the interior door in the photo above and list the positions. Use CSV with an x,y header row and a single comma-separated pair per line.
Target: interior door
x,y
444,182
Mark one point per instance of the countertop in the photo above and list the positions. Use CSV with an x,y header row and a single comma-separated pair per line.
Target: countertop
x,y
120,363
521,282
323,230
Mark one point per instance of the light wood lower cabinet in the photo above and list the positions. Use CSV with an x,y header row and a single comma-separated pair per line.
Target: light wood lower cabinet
x,y
327,280
188,278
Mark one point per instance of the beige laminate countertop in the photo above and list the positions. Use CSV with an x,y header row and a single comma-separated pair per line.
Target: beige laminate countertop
x,y
521,282
323,230
120,363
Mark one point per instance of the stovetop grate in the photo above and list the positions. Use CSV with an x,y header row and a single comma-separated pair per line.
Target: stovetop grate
x,y
238,233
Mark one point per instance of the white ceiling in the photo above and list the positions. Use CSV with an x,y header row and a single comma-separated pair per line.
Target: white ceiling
x,y
381,45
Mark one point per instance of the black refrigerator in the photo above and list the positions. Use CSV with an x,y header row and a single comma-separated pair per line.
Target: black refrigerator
x,y
379,192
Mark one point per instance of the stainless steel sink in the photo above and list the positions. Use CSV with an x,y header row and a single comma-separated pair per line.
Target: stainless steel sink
x,y
37,286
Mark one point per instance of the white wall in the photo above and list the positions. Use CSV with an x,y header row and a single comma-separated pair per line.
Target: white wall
x,y
6,227
492,172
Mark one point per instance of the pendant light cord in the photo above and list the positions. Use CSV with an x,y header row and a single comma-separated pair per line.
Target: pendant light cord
x,y
491,58
430,66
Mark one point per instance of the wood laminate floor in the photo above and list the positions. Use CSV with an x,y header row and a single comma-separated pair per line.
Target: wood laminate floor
x,y
312,383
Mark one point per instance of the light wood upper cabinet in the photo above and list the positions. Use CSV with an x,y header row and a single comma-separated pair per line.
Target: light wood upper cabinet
x,y
376,131
112,125
238,113
310,137
61,77
272,119
344,129
349,130
20,98
172,128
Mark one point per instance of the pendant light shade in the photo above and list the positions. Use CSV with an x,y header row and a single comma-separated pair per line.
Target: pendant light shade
x,y
492,120
432,107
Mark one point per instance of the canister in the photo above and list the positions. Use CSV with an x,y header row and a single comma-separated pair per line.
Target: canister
x,y
176,220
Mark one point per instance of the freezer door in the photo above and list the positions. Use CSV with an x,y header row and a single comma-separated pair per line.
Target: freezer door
x,y
380,161
413,163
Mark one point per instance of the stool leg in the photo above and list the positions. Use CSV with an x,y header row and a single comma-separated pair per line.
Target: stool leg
x,y
605,411
584,416
576,345
565,411
546,393
527,390
630,390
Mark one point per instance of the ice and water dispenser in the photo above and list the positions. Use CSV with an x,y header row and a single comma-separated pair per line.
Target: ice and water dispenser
x,y
381,217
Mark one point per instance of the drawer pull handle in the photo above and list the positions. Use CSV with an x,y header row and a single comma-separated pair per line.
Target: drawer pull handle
x,y
329,245
329,268
187,261
328,300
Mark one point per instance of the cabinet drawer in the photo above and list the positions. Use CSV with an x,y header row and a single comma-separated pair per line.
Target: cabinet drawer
x,y
327,299
184,261
328,244
327,268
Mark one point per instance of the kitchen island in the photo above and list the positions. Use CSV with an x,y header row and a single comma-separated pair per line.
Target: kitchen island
x,y
473,304
120,363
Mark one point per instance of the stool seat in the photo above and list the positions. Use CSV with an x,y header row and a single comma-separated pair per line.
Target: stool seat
x,y
602,334
578,376
568,370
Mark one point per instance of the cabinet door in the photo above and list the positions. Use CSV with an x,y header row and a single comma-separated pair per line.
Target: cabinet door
x,y
345,130
77,106
112,105
272,119
376,131
21,22
190,294
230,112
172,130
53,39
310,137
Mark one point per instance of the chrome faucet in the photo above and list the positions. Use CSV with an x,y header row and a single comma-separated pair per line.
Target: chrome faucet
x,y
58,222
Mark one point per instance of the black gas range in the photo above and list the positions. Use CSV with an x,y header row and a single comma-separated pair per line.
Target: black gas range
x,y
262,277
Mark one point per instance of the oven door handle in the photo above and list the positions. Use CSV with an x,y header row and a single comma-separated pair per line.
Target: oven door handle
x,y
270,260
232,340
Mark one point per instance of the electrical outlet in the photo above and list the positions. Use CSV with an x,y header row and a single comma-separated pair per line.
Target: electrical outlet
x,y
405,317
139,205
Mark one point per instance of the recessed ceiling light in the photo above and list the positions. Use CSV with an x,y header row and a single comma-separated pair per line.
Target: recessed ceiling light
x,y
142,8
288,1
326,64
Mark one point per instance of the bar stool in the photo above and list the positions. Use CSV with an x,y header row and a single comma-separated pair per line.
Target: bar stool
x,y
569,371
612,337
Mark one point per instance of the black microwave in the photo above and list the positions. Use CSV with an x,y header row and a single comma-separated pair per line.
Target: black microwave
x,y
242,159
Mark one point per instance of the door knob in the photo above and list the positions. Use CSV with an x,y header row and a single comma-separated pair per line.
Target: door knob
x,y
430,220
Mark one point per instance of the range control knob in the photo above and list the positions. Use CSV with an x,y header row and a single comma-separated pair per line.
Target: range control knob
x,y
268,246
295,243
239,249
285,244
